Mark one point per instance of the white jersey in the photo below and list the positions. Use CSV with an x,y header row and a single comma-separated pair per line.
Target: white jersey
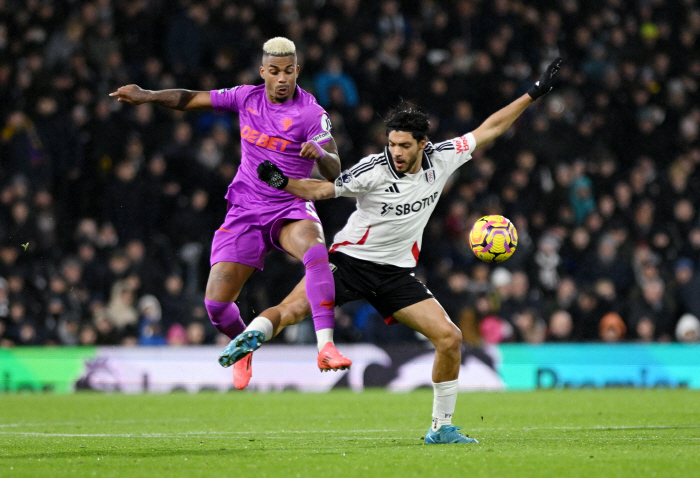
x,y
393,208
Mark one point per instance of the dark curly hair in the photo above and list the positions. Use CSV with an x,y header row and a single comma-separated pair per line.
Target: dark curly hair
x,y
407,117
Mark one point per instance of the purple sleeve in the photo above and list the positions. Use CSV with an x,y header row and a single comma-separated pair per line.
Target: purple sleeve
x,y
228,99
319,129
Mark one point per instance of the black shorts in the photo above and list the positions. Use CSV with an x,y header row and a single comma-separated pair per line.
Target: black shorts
x,y
387,288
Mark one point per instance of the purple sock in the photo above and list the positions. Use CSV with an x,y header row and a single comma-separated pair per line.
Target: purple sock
x,y
320,288
225,316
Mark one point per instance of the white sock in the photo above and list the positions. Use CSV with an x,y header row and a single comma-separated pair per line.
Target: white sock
x,y
444,402
323,336
262,324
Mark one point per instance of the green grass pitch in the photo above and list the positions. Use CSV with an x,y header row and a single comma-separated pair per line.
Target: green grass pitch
x,y
621,432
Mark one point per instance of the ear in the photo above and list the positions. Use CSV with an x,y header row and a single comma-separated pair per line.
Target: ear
x,y
298,69
422,144
262,72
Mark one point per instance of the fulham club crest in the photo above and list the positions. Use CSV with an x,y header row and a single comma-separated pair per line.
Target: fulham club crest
x,y
430,176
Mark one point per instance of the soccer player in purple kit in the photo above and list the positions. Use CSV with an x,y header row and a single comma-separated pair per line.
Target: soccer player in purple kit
x,y
284,124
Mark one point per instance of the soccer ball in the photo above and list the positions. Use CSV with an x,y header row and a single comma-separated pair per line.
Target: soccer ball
x,y
493,238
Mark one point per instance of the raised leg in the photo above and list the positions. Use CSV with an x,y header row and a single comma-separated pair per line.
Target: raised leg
x,y
304,240
225,282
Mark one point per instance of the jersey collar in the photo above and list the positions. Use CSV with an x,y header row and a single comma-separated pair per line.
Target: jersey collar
x,y
425,164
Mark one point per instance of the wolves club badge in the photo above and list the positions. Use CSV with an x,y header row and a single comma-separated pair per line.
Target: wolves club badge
x,y
430,176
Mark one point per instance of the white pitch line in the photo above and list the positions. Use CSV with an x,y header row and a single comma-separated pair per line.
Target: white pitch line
x,y
595,428
102,422
208,433
211,432
159,435
620,427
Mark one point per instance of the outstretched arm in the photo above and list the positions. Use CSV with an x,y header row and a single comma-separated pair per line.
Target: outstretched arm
x,y
184,100
497,124
311,189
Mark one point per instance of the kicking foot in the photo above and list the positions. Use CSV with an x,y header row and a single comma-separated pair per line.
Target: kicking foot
x,y
241,346
330,359
242,371
447,434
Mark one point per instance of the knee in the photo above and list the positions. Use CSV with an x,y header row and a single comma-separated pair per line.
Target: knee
x,y
222,285
449,338
217,310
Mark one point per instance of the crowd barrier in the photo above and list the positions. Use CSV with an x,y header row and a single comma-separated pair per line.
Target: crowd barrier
x,y
397,368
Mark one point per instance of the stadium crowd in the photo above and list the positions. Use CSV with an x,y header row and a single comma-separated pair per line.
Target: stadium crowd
x,y
107,210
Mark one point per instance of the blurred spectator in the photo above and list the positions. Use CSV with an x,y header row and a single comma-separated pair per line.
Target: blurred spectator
x,y
177,335
107,333
176,305
21,329
521,298
586,313
687,287
688,329
88,335
530,327
196,333
494,330
547,263
652,315
561,327
604,263
150,315
581,197
124,203
332,76
121,310
612,328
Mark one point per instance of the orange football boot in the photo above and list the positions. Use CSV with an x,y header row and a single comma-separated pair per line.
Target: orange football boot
x,y
242,371
330,359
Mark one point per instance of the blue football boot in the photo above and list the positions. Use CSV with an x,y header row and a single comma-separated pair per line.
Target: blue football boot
x,y
241,346
447,434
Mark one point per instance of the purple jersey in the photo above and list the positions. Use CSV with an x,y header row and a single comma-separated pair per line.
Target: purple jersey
x,y
274,132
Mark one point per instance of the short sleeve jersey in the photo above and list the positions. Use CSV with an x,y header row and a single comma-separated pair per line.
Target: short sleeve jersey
x,y
274,132
393,208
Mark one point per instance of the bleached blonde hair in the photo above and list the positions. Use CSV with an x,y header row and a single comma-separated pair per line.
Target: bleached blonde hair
x,y
279,46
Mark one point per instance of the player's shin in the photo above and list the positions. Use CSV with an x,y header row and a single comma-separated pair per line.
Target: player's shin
x,y
225,316
320,292
444,402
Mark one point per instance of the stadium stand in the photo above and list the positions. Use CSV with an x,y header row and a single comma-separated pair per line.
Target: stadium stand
x,y
107,211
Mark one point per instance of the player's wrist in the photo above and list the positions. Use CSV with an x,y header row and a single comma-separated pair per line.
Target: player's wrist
x,y
321,152
536,92
280,182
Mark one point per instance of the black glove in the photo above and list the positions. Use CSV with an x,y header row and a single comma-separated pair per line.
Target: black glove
x,y
544,84
272,175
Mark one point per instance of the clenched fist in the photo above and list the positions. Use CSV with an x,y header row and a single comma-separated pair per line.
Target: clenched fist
x,y
272,175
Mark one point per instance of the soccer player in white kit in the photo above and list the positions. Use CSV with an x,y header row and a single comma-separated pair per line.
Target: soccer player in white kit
x,y
373,256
